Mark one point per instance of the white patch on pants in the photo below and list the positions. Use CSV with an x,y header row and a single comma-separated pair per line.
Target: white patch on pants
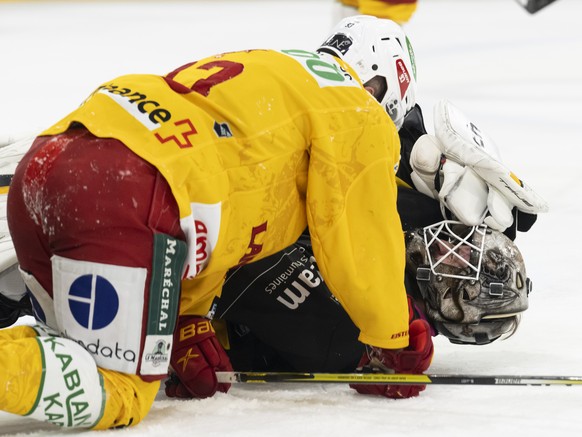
x,y
100,306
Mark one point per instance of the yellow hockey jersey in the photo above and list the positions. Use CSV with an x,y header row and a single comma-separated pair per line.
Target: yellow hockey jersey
x,y
256,145
396,10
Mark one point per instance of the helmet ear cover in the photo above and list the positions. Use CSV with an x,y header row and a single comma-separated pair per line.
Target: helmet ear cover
x,y
472,280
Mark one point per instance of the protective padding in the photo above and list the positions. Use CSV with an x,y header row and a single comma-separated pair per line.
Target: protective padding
x,y
71,389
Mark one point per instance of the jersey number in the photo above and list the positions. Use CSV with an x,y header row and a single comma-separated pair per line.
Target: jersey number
x,y
228,70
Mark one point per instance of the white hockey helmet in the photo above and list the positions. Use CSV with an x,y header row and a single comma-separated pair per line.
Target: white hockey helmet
x,y
472,280
382,56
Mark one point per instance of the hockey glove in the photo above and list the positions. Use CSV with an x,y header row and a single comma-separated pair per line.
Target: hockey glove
x,y
11,310
461,167
414,359
196,356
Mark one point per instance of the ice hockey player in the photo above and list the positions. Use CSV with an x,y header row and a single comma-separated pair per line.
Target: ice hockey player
x,y
278,315
399,11
469,283
160,185
312,331
130,210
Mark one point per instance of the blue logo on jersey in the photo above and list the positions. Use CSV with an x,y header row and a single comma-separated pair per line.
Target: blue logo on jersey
x,y
93,301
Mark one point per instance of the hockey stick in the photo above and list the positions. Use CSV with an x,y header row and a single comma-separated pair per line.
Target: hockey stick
x,y
400,379
532,6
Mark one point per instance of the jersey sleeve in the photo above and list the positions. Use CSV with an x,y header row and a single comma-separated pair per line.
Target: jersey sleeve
x,y
355,228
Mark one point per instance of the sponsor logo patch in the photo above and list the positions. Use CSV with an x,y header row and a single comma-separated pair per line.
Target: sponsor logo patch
x,y
159,354
164,300
147,111
71,390
403,76
100,306
323,67
93,301
339,42
201,229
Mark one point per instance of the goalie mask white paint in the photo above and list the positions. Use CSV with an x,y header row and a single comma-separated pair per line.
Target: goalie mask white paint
x,y
382,56
472,280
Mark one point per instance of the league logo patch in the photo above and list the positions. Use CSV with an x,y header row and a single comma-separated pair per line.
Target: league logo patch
x,y
222,130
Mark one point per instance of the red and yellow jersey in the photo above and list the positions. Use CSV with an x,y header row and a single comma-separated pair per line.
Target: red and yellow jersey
x,y
395,10
256,145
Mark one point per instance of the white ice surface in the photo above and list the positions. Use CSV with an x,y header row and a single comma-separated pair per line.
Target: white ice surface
x,y
519,75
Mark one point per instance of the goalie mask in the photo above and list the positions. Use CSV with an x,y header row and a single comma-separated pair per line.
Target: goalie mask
x,y
472,280
381,54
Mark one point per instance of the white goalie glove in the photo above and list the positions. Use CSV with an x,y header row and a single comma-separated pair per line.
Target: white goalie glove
x,y
460,166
